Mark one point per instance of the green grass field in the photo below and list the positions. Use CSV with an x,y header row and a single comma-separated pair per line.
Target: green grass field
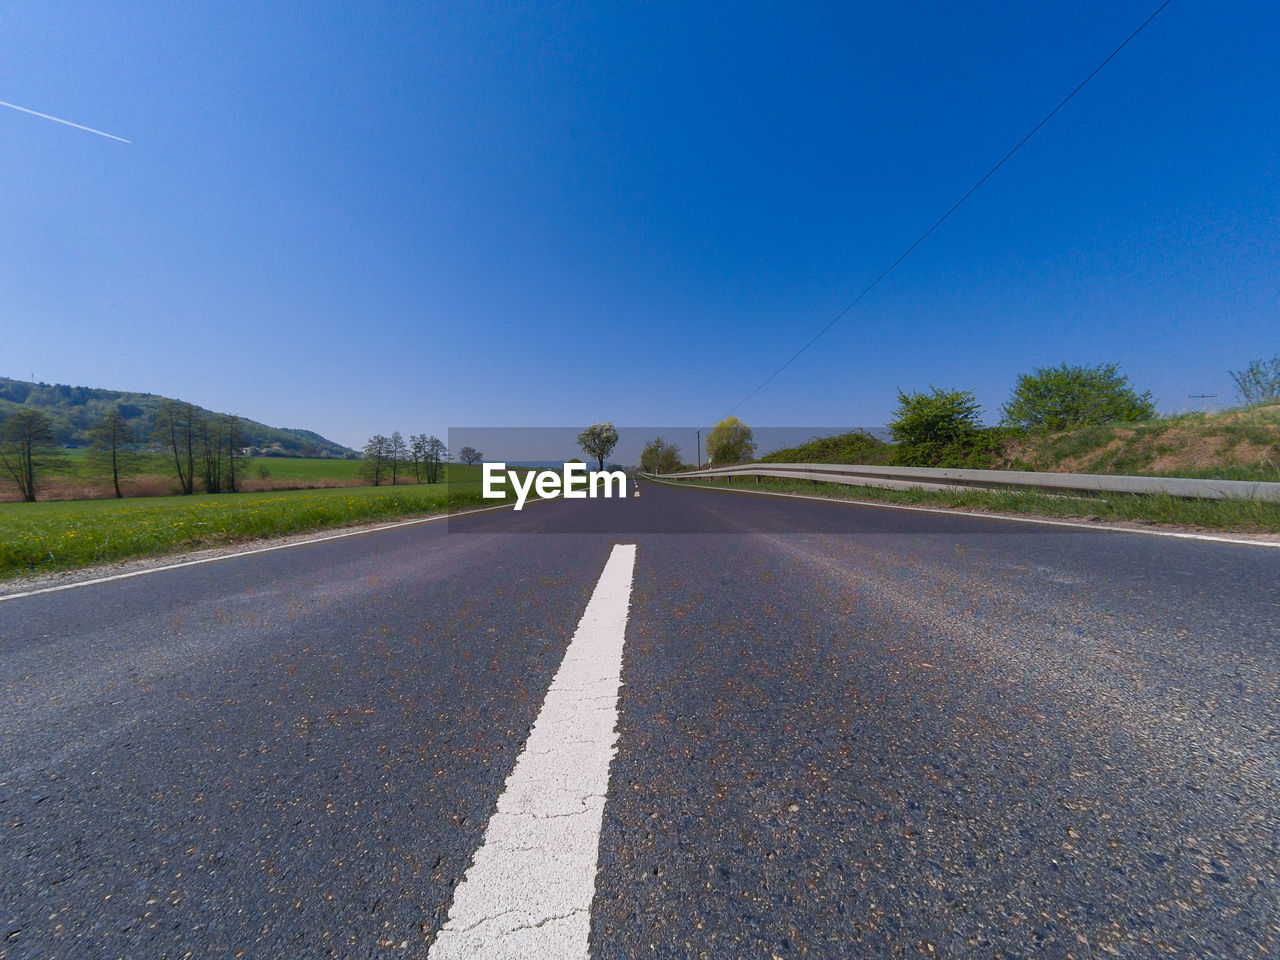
x,y
78,464
296,468
44,536
1246,516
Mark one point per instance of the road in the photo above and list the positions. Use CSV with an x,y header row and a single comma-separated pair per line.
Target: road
x,y
761,728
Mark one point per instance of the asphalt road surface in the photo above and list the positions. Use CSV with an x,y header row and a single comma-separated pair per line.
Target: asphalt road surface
x,y
685,724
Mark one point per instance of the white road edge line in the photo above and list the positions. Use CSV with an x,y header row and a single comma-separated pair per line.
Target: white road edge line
x,y
946,511
529,889
267,549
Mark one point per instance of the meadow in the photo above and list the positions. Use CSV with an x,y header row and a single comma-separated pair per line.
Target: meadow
x,y
52,535
299,468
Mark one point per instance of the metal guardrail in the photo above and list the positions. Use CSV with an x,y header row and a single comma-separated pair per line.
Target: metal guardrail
x,y
937,478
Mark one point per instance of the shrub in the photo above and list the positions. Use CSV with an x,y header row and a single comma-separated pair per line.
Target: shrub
x,y
1259,382
942,428
855,447
659,456
1063,397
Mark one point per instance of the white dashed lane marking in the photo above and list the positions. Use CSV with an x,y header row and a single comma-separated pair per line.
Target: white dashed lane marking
x,y
528,891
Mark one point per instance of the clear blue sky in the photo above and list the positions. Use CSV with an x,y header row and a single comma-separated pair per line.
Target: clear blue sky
x,y
363,217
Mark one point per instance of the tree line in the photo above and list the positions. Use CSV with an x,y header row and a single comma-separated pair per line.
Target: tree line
x,y
385,457
201,447
198,449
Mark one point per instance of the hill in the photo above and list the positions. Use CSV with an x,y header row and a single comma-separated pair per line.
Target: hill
x,y
74,411
1240,444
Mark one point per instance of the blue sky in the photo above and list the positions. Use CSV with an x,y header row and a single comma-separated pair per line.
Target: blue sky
x,y
364,217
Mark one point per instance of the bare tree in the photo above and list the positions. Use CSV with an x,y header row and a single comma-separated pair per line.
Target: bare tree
x,y
234,440
178,427
28,450
219,450
470,456
211,455
113,451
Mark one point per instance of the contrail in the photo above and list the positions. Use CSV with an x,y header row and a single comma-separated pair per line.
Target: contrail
x,y
37,113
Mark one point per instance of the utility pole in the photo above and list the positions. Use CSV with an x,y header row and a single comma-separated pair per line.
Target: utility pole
x,y
1202,397
699,449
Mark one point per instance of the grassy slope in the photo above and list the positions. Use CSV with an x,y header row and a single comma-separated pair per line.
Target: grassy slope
x,y
43,536
1239,444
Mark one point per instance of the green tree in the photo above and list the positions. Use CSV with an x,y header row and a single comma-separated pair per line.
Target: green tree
x,y
1063,397
374,464
598,441
418,454
1259,382
437,453
730,441
660,456
941,428
29,451
112,451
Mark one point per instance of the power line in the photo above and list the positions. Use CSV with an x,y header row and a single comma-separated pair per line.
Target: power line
x,y
954,207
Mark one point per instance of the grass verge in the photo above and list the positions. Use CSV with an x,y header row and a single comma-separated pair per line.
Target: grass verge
x,y
55,535
1244,516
